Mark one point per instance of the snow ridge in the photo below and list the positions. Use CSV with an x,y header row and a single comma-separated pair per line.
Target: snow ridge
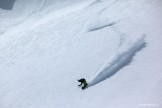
x,y
120,59
101,27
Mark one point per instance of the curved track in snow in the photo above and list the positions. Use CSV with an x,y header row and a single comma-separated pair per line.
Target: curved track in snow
x,y
119,60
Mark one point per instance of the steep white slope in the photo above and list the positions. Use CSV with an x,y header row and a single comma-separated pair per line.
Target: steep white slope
x,y
43,56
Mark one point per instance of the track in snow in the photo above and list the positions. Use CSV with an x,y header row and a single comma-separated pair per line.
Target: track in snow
x,y
122,58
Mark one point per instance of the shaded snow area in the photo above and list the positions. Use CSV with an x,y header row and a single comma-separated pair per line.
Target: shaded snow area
x,y
47,45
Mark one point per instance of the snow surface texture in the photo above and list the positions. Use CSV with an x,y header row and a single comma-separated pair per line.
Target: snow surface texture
x,y
46,45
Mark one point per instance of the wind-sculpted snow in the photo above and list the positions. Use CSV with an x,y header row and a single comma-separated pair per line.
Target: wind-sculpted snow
x,y
120,59
101,26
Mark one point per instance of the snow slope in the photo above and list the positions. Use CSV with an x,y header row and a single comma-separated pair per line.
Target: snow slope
x,y
46,45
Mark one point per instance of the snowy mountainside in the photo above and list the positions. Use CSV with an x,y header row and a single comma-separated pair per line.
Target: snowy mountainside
x,y
46,45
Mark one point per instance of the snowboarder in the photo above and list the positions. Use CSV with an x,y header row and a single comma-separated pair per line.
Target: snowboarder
x,y
84,82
